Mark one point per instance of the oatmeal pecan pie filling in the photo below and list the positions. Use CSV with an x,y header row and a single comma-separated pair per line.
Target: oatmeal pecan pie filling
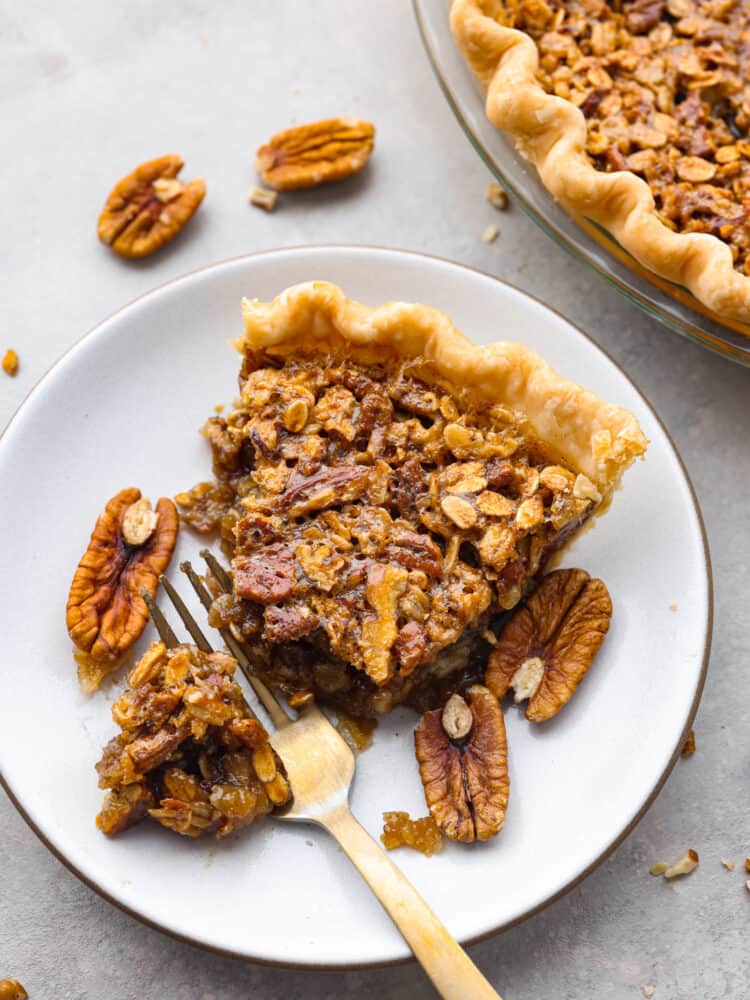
x,y
664,86
378,520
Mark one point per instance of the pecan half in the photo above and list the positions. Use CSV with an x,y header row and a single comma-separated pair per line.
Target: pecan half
x,y
546,648
148,207
304,156
385,584
129,549
465,777
11,989
410,646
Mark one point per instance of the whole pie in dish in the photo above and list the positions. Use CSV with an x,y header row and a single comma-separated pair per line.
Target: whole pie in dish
x,y
387,491
636,115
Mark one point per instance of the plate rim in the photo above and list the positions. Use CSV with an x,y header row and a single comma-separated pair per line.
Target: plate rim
x,y
653,794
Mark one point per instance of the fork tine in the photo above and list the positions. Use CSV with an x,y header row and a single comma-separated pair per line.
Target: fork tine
x,y
161,624
189,622
279,716
223,578
164,629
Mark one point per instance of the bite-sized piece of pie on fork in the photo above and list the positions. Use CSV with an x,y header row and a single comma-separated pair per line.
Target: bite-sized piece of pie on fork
x,y
388,489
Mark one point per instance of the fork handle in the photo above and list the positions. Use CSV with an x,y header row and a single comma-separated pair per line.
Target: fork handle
x,y
452,972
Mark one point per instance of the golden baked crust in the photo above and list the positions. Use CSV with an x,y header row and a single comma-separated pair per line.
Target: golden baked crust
x,y
551,131
597,438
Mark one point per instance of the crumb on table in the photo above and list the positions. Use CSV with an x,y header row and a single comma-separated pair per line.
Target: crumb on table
x,y
10,362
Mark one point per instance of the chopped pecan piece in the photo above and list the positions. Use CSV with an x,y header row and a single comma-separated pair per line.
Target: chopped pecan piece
x,y
500,474
415,551
124,807
249,732
465,779
288,623
307,155
267,576
148,751
148,207
410,646
105,611
548,645
263,198
409,487
323,489
255,529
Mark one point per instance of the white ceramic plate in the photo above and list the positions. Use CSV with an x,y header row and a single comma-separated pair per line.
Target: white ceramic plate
x,y
123,408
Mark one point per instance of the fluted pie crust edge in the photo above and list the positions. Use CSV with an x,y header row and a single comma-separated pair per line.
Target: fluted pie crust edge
x,y
550,132
597,438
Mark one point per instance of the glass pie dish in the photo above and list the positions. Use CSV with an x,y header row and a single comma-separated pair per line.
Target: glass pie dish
x,y
671,305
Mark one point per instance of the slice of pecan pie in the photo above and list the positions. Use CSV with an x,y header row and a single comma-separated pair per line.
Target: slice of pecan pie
x,y
636,115
387,489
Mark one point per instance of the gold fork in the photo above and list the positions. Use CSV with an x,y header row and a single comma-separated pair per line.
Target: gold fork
x,y
320,767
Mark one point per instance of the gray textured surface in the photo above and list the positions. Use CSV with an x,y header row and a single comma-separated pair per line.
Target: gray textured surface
x,y
92,89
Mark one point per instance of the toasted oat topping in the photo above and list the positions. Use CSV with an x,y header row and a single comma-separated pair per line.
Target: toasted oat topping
x,y
130,547
686,863
665,88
